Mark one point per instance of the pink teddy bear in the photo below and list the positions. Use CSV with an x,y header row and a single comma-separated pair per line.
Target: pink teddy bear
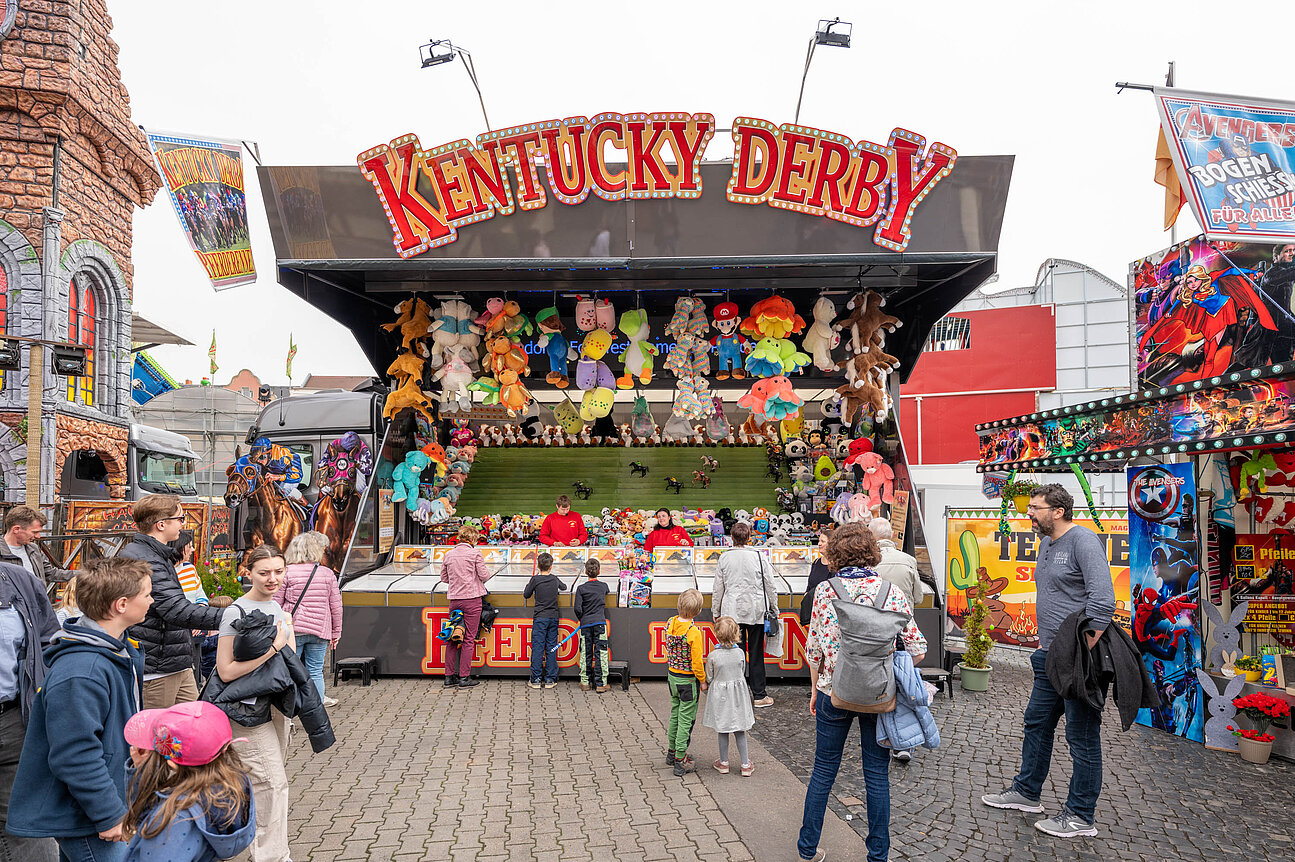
x,y
878,479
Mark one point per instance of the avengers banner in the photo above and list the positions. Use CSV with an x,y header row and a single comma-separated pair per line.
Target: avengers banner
x,y
1164,576
1205,308
205,179
1234,160
974,541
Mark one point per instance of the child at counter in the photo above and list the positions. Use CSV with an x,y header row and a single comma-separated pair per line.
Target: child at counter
x,y
545,587
686,673
728,701
591,615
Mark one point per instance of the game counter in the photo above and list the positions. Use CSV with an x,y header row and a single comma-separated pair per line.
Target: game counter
x,y
395,612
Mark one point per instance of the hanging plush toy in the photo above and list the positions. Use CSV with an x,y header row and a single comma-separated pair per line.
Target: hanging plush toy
x,y
641,423
553,342
717,427
594,314
415,321
640,351
568,416
857,449
823,337
878,479
405,477
455,376
408,394
866,324
867,364
494,306
513,394
729,344
773,317
771,399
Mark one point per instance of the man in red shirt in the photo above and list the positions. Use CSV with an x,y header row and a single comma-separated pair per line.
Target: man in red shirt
x,y
564,527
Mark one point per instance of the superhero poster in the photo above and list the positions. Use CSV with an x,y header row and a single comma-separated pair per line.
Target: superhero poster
x,y
205,180
975,541
1234,161
1204,308
1164,572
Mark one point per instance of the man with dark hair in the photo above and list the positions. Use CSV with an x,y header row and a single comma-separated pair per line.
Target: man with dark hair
x,y
1072,574
166,634
22,529
27,625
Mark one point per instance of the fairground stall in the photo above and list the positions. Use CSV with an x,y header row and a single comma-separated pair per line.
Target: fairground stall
x,y
1207,445
588,307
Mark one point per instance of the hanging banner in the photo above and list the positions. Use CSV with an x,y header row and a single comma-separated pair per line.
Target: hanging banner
x,y
1234,157
205,179
1164,573
974,541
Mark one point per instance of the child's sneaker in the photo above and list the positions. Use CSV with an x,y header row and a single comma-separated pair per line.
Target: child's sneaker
x,y
747,769
584,686
553,684
721,766
669,758
532,684
684,765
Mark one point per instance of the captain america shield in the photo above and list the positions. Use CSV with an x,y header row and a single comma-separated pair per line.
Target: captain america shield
x,y
1154,493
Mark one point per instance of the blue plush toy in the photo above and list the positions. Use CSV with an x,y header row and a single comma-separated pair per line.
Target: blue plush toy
x,y
405,476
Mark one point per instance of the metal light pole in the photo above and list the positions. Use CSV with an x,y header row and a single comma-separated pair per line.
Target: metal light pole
x,y
440,51
839,38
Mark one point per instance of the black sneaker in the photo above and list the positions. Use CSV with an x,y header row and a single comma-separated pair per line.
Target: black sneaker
x,y
468,682
669,758
451,681
683,766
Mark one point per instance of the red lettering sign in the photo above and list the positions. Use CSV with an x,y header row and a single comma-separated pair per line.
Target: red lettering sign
x,y
506,645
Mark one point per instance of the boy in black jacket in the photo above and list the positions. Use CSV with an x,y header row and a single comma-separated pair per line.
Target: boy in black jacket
x,y
591,613
544,586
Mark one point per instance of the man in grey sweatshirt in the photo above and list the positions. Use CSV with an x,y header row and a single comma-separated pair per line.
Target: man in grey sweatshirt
x,y
1072,574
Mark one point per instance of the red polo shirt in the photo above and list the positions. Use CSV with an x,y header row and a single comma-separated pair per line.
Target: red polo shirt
x,y
564,529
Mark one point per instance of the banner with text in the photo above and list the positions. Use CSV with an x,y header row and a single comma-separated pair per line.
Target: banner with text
x,y
1234,158
205,179
975,542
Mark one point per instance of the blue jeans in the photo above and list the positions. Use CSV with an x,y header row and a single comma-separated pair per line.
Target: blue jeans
x,y
544,650
1083,733
833,728
90,848
311,649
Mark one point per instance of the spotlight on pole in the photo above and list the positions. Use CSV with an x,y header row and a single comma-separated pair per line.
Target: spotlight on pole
x,y
835,33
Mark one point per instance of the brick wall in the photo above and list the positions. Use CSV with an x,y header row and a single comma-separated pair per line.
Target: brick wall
x,y
110,441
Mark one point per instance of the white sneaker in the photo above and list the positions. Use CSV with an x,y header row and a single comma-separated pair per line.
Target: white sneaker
x,y
1010,799
329,701
1067,825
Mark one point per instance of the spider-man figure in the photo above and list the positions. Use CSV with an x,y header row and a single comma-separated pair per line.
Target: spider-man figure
x,y
1155,627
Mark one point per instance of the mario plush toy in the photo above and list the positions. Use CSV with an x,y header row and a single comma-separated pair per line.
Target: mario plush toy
x,y
729,344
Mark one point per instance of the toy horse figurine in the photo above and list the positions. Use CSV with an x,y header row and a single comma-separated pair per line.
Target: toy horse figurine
x,y
638,467
673,484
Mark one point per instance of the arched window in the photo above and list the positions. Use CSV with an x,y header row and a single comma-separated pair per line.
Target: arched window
x,y
4,317
82,326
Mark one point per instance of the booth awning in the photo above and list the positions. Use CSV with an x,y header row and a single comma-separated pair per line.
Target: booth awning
x,y
334,247
146,334
1248,409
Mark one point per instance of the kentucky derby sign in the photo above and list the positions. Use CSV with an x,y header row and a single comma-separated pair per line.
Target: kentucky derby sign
x,y
646,157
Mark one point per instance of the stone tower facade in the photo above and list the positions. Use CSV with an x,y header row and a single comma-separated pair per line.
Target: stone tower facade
x,y
73,167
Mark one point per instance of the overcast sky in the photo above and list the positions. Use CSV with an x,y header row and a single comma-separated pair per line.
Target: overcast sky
x,y
318,82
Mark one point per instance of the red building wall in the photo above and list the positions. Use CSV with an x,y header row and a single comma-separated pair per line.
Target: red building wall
x,y
1012,356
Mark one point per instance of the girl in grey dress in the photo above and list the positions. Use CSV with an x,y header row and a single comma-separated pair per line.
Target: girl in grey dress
x,y
728,699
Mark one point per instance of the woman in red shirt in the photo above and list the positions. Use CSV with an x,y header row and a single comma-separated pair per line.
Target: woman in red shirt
x,y
667,533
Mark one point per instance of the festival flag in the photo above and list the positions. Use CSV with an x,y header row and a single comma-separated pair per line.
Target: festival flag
x,y
204,177
1168,177
292,351
211,354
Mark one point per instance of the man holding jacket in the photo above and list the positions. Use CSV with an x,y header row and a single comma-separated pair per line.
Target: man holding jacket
x,y
166,634
1072,575
27,625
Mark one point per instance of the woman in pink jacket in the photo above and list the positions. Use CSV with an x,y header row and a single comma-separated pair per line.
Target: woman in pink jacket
x,y
465,571
313,601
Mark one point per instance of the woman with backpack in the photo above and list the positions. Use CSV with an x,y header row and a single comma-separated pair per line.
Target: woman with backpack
x,y
309,593
852,551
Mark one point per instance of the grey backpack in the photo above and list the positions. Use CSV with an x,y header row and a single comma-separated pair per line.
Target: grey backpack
x,y
864,677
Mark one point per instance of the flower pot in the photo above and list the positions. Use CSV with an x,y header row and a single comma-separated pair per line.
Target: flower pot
x,y
1252,675
1021,502
974,678
1254,752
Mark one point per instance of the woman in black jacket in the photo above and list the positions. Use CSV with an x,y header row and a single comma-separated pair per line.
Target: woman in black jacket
x,y
818,573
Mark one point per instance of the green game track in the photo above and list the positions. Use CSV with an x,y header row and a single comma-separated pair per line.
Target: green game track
x,y
510,480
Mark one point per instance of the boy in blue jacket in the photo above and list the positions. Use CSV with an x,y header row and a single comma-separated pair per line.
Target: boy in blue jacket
x,y
73,766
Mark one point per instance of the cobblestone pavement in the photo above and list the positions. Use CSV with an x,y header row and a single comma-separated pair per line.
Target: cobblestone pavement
x,y
1162,797
497,772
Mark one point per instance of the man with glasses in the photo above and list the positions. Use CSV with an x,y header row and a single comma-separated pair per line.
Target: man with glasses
x,y
166,634
1072,574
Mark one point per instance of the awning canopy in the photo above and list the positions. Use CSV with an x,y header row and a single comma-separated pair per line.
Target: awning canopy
x,y
146,334
334,247
1249,409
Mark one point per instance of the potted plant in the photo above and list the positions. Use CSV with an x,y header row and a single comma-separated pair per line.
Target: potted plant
x,y
1252,667
1263,710
1019,492
974,668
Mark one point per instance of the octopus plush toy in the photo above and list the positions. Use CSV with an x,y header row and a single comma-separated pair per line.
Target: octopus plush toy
x,y
640,352
771,399
774,317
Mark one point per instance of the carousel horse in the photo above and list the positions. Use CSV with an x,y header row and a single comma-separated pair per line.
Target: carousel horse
x,y
277,519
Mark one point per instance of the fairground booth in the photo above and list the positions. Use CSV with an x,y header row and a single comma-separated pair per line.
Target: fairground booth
x,y
589,307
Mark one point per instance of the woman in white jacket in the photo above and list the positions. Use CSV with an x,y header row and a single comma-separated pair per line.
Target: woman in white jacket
x,y
744,588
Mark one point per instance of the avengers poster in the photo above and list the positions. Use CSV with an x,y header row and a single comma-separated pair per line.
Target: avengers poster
x,y
1233,160
1164,575
1206,308
205,180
